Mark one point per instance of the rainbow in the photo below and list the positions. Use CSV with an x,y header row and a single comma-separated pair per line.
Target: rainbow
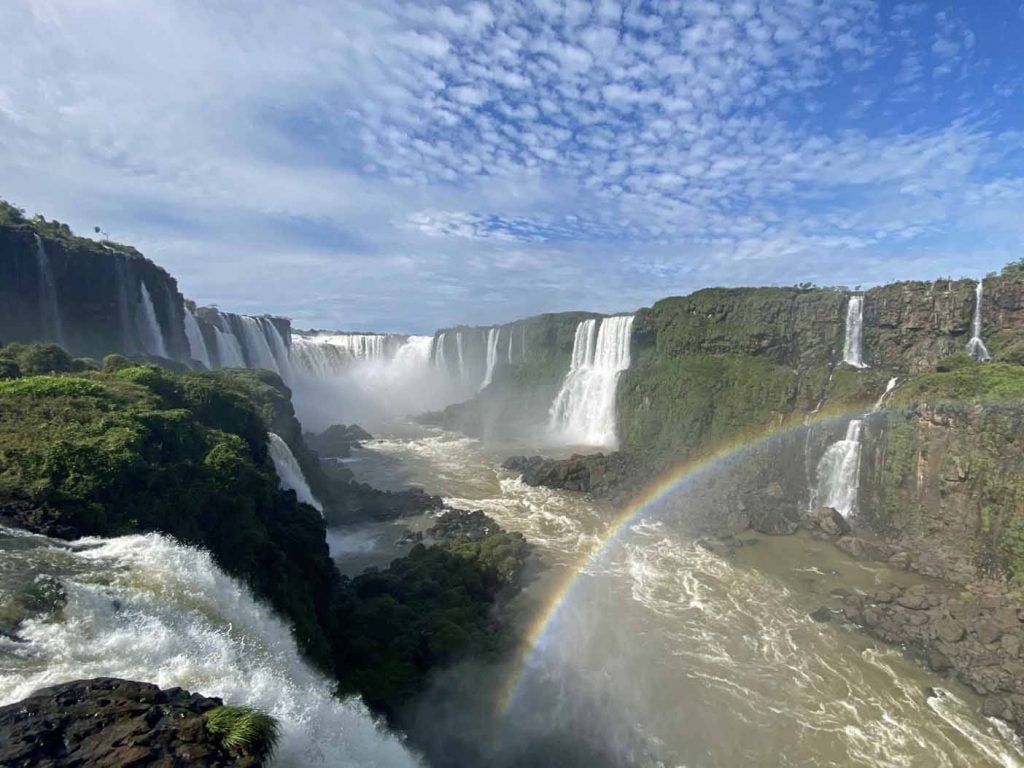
x,y
664,486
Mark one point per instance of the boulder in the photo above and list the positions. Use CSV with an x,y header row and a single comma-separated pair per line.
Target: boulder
x,y
337,441
106,722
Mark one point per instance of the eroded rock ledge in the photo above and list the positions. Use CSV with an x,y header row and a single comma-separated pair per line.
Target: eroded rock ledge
x,y
975,635
107,723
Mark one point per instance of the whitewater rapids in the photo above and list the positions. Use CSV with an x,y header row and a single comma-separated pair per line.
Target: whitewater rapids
x,y
666,654
146,608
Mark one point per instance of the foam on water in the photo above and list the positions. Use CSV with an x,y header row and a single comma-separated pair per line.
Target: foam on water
x,y
146,608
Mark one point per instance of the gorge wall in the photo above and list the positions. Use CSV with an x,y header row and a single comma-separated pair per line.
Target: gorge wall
x,y
98,298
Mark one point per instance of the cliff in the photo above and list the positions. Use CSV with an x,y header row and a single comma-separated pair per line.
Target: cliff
x,y
96,298
138,448
532,357
90,297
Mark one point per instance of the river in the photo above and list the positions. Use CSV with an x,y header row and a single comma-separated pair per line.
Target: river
x,y
664,653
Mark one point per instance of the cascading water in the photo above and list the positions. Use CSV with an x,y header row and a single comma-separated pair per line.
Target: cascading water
x,y
147,608
462,362
493,335
584,410
838,472
149,328
260,355
976,347
375,380
289,472
438,357
889,387
278,346
853,344
511,333
229,349
328,354
49,305
196,342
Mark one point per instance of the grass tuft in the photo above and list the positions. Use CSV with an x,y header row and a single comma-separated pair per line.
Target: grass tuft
x,y
244,728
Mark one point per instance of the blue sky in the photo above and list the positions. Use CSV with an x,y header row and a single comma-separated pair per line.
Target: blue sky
x,y
407,165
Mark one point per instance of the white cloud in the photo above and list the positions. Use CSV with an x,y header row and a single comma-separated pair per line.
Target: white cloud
x,y
399,142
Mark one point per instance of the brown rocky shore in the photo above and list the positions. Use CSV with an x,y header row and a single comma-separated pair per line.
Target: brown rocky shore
x,y
970,632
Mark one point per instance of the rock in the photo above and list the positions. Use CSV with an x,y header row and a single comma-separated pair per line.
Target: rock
x,y
337,441
827,520
457,524
572,474
913,601
949,630
822,614
106,722
988,631
995,706
1010,645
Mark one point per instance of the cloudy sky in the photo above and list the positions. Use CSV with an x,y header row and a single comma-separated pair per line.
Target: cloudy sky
x,y
406,165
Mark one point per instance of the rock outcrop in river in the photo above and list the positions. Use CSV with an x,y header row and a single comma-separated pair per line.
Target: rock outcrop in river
x,y
109,723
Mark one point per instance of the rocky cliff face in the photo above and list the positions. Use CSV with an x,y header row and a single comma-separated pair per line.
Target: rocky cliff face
x,y
526,375
786,326
944,481
910,326
90,297
97,298
107,722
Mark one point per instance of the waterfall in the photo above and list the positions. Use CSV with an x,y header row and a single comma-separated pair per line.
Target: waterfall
x,y
511,333
150,331
889,387
493,335
584,410
838,472
289,472
229,349
278,347
462,364
257,346
149,608
375,381
196,342
976,347
327,354
48,303
853,344
439,361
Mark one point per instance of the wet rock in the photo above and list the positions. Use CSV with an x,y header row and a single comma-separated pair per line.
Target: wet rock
x,y
108,722
826,520
572,474
937,661
459,525
822,614
337,441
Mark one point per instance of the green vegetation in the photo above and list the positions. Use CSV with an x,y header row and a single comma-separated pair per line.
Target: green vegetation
x,y
32,359
962,381
141,449
425,610
244,728
12,216
1014,269
137,448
